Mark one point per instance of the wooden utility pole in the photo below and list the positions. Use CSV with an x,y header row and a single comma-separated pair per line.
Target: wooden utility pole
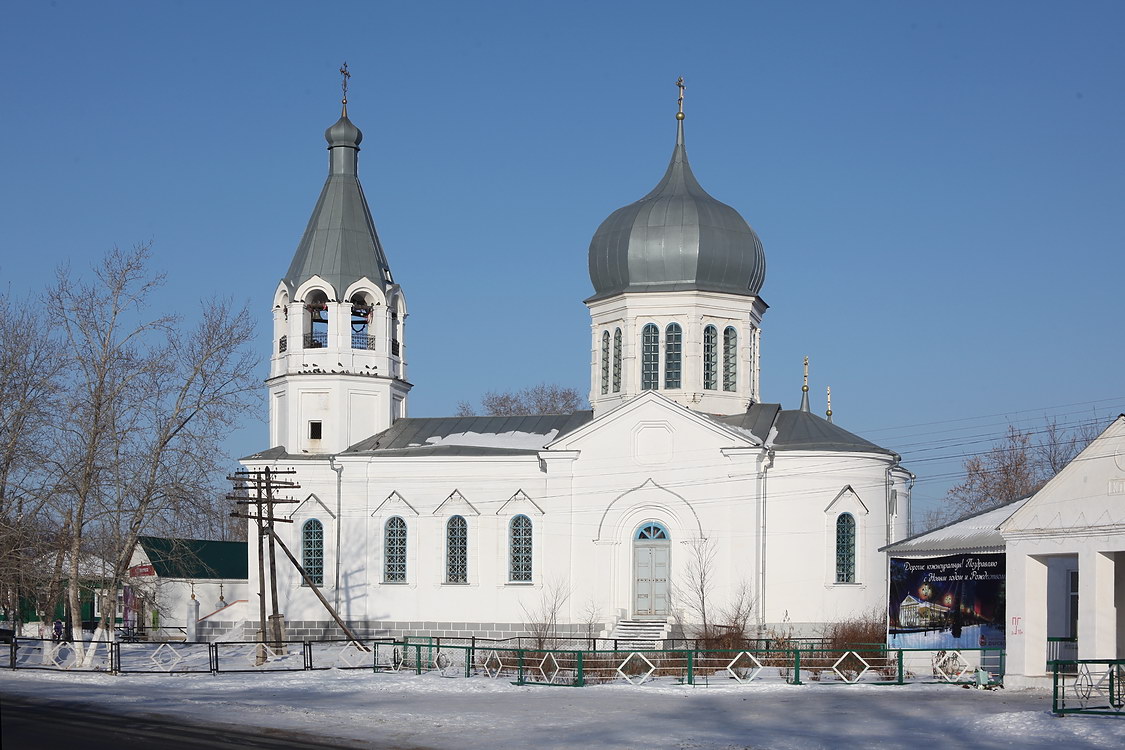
x,y
264,482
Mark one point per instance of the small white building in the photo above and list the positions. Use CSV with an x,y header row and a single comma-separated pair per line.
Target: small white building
x,y
459,526
1066,562
173,581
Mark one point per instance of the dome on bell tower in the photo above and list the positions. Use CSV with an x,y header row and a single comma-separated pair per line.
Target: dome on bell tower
x,y
676,238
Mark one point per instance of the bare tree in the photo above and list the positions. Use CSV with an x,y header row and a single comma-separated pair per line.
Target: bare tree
x,y
1013,468
147,406
694,589
543,616
30,363
545,398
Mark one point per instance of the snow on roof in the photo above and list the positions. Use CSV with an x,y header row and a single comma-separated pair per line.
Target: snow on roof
x,y
512,439
978,532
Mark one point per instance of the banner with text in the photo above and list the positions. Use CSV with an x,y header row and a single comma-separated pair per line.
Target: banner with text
x,y
950,602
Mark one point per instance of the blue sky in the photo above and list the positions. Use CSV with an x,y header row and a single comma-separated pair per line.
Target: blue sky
x,y
939,187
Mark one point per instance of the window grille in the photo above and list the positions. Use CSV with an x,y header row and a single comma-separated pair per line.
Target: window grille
x,y
456,550
519,545
673,350
617,361
282,344
312,550
652,530
711,358
845,548
605,362
394,551
650,357
730,359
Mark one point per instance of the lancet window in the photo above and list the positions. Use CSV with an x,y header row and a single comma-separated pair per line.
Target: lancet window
x,y
312,550
730,359
711,358
519,549
456,550
650,357
673,355
605,362
845,548
617,361
394,550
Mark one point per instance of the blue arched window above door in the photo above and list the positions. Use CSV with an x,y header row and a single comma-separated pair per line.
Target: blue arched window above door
x,y
652,530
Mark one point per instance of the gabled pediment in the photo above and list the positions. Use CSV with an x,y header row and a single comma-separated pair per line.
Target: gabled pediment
x,y
1082,496
519,503
311,505
395,504
847,500
456,505
651,408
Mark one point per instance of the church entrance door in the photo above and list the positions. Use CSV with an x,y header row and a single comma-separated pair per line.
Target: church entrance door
x,y
651,552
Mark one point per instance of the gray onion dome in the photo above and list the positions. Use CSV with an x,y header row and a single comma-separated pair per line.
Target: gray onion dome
x,y
343,133
676,238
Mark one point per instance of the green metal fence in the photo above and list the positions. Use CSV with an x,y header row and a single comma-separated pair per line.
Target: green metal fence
x,y
1088,686
863,663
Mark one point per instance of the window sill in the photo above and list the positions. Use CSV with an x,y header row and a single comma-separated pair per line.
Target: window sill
x,y
520,583
455,583
394,583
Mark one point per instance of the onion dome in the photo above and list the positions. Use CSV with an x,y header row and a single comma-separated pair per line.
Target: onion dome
x,y
676,238
343,133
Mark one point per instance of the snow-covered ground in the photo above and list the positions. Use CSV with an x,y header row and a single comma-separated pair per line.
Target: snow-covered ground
x,y
430,711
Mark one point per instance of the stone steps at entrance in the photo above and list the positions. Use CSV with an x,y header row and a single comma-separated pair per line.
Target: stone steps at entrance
x,y
641,634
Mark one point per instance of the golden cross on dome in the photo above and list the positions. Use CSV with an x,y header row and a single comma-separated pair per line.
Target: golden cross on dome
x,y
344,76
682,87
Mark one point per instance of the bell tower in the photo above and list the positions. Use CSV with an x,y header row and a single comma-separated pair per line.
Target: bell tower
x,y
338,365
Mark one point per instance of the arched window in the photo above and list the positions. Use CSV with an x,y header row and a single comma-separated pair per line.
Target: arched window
x,y
519,549
361,322
652,530
845,548
730,359
394,550
316,320
673,350
456,550
711,358
617,361
605,362
312,550
650,357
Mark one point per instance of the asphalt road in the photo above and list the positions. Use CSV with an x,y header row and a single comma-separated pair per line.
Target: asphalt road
x,y
35,724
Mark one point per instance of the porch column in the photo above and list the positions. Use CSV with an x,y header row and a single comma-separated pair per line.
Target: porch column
x,y
1027,615
1097,611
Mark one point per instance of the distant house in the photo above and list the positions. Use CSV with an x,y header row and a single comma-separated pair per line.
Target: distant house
x,y
165,575
1066,563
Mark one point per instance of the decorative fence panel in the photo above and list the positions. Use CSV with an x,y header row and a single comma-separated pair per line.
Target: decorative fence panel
x,y
562,666
1089,686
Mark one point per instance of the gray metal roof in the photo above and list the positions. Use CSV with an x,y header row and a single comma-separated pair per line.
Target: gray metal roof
x,y
799,430
676,238
480,436
979,532
340,243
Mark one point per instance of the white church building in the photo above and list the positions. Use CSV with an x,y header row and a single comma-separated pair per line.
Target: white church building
x,y
463,525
